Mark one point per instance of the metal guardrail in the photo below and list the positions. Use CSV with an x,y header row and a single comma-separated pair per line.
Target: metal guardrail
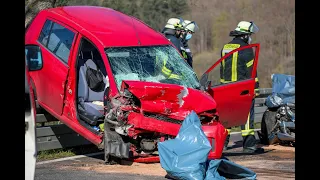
x,y
61,136
58,136
260,104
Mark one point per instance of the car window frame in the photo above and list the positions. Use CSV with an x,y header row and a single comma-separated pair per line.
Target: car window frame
x,y
65,26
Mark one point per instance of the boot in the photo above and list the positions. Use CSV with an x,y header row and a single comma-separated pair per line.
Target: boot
x,y
249,145
226,142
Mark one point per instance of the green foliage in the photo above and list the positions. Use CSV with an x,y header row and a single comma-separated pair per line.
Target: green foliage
x,y
153,12
156,13
83,2
61,3
127,7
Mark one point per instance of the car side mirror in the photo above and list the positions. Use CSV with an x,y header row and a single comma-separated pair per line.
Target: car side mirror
x,y
33,57
204,81
207,85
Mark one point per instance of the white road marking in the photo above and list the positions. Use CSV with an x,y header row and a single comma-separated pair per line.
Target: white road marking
x,y
69,158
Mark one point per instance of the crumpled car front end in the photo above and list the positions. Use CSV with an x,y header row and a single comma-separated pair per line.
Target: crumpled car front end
x,y
145,113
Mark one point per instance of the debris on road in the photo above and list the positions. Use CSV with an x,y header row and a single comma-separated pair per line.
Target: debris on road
x,y
278,121
186,156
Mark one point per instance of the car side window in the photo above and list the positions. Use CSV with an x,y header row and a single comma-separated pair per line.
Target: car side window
x,y
57,39
44,34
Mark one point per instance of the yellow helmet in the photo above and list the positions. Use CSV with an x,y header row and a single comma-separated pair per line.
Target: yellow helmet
x,y
174,23
247,27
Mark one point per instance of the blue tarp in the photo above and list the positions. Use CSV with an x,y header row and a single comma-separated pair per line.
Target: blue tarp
x,y
222,168
186,156
283,90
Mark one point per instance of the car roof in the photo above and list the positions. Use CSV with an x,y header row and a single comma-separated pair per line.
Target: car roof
x,y
112,28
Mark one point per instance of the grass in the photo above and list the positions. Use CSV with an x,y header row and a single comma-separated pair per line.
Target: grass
x,y
54,154
66,152
48,123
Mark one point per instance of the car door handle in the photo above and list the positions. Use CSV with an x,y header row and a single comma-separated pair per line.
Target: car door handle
x,y
244,92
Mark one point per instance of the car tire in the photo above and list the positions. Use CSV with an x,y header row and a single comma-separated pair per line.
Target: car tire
x,y
267,123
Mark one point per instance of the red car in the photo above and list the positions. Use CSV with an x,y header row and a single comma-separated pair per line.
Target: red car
x,y
145,90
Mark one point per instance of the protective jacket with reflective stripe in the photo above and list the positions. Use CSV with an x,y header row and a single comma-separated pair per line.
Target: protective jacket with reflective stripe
x,y
237,66
166,69
187,54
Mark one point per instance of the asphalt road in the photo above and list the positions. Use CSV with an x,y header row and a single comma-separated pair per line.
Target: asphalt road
x,y
276,163
55,174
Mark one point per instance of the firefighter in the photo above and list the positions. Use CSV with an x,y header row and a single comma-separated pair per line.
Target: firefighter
x,y
238,67
189,28
172,32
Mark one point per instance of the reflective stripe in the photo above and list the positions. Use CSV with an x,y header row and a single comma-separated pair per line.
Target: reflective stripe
x,y
167,71
182,48
226,49
234,67
184,54
244,29
188,50
174,76
231,46
250,63
247,126
229,130
257,91
256,79
247,132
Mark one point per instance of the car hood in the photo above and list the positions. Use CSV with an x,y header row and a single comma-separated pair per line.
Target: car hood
x,y
169,99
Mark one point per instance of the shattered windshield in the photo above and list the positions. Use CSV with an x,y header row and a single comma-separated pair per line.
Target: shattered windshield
x,y
161,64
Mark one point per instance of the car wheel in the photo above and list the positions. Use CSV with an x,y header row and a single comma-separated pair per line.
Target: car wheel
x,y
267,123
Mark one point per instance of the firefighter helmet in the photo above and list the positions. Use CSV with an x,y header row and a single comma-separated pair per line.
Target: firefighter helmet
x,y
174,23
245,27
190,26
